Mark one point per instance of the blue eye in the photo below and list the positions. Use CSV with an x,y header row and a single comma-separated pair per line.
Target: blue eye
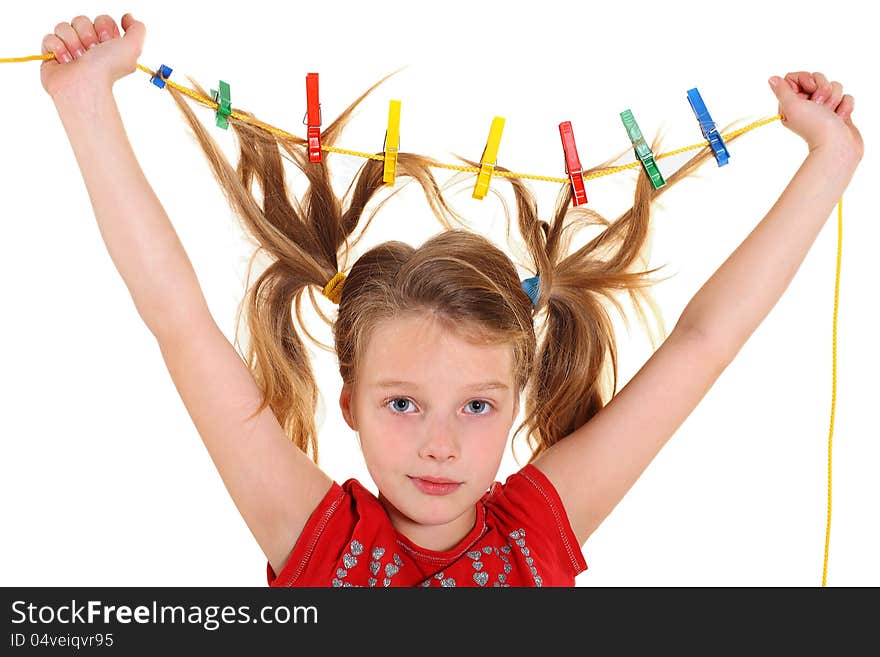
x,y
397,399
485,403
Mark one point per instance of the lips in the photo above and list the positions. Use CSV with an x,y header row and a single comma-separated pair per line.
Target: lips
x,y
437,480
435,485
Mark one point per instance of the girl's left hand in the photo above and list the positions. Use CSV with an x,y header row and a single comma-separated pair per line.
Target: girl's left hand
x,y
818,111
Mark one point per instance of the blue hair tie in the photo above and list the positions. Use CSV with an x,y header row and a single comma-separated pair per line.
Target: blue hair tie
x,y
530,285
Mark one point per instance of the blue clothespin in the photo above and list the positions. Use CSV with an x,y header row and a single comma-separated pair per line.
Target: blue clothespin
x,y
707,125
164,73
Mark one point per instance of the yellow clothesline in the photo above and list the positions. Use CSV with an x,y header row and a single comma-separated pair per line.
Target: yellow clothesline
x,y
209,102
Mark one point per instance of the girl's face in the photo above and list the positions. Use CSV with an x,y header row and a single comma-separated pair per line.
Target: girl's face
x,y
429,404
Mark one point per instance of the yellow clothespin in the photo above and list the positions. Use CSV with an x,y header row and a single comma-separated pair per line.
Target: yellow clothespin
x,y
489,159
392,142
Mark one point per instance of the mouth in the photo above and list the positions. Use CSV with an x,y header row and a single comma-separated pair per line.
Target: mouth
x,y
435,485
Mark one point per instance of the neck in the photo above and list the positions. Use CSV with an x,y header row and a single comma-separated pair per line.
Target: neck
x,y
438,538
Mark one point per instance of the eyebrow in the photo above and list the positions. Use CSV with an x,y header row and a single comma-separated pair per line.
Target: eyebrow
x,y
484,385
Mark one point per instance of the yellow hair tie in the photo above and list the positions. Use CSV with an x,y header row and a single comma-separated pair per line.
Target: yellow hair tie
x,y
333,289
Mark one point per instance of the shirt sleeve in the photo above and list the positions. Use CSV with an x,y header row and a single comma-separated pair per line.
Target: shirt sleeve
x,y
326,524
531,502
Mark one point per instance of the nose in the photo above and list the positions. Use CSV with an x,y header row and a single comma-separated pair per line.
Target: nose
x,y
440,445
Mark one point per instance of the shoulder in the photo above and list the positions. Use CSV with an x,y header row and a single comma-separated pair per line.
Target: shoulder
x,y
345,510
527,503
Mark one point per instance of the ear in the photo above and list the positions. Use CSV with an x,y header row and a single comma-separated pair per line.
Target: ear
x,y
345,405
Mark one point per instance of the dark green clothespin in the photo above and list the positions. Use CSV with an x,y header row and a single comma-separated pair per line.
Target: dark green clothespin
x,y
225,109
643,151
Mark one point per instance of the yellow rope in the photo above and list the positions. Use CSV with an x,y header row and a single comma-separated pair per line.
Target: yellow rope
x,y
333,284
833,382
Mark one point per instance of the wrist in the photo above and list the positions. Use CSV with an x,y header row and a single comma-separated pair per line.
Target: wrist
x,y
82,98
845,153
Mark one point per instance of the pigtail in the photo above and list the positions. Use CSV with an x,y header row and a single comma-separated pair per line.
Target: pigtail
x,y
308,243
576,371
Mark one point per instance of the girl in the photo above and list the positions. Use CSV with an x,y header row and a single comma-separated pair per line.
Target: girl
x,y
435,344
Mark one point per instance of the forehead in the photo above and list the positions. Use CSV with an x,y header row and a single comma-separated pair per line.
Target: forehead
x,y
424,350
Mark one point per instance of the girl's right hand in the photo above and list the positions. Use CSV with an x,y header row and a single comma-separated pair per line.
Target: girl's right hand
x,y
89,54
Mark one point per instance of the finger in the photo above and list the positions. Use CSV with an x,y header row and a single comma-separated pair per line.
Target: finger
x,y
68,35
106,28
823,88
86,31
845,108
836,95
51,43
803,79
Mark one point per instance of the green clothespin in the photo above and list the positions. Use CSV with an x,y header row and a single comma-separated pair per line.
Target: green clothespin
x,y
225,109
643,151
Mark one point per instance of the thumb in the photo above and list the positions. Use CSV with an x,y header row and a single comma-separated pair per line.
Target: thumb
x,y
781,88
135,31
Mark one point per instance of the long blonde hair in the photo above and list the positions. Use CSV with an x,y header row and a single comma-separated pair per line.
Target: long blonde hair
x,y
458,276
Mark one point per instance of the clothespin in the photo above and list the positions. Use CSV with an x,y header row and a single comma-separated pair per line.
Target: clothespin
x,y
161,75
643,151
392,142
707,125
489,158
572,164
313,114
221,96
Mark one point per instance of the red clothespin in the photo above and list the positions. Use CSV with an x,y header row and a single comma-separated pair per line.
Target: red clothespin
x,y
313,116
572,164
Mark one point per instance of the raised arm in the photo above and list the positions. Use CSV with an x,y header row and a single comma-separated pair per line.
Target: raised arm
x,y
139,237
595,466
272,482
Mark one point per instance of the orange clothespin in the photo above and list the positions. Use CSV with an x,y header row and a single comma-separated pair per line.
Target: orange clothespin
x,y
572,164
489,158
313,117
392,142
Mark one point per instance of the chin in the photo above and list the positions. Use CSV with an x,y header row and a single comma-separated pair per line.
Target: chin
x,y
427,509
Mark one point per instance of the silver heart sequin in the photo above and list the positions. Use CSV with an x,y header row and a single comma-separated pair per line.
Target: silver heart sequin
x,y
374,567
378,552
505,549
530,561
397,559
448,582
487,549
521,542
525,551
349,561
514,534
356,548
481,578
502,577
391,570
478,565
474,554
337,582
439,575
507,568
538,580
371,581
341,572
386,581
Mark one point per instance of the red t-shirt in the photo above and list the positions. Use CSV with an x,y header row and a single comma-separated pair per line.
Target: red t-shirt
x,y
522,537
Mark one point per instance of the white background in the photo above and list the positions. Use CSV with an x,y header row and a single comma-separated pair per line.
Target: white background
x,y
103,477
